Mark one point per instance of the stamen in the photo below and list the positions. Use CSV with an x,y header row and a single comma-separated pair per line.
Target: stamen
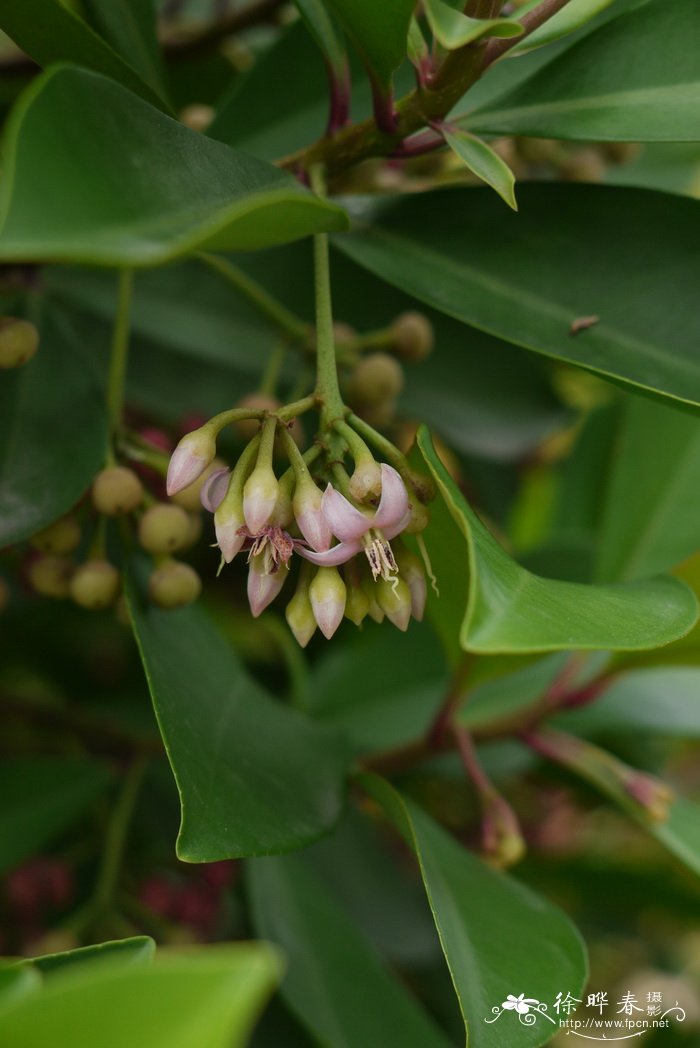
x,y
420,542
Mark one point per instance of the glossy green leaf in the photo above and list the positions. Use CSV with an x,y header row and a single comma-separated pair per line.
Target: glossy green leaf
x,y
52,31
453,29
324,31
509,609
137,951
527,277
663,701
130,27
573,15
254,777
487,924
651,512
635,79
94,205
209,997
678,831
378,32
336,983
50,447
484,162
16,982
40,797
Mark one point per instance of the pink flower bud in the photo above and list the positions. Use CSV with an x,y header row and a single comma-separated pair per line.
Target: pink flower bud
x,y
394,598
214,489
260,497
189,459
300,616
412,571
327,594
230,528
309,516
263,587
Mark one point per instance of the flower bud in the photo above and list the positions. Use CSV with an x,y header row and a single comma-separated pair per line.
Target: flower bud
x,y
260,497
50,576
380,416
300,616
394,598
307,511
283,513
653,795
373,609
116,490
412,336
61,537
164,528
504,844
95,585
214,488
190,458
229,525
366,479
173,585
263,586
412,571
356,604
327,594
377,378
419,519
189,498
19,341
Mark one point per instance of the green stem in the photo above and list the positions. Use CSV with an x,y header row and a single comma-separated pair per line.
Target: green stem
x,y
115,840
296,407
268,382
389,451
358,449
293,326
120,352
327,388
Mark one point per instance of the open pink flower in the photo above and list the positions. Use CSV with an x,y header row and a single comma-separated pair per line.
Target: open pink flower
x,y
359,530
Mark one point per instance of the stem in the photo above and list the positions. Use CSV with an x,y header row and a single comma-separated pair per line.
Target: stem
x,y
327,388
293,326
120,352
391,454
530,21
268,382
115,839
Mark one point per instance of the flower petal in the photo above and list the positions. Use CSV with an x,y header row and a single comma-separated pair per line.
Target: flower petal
x,y
396,529
331,558
345,521
393,505
263,588
214,489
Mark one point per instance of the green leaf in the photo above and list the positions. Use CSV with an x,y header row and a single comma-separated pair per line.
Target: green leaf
x,y
324,31
453,29
447,249
40,798
336,982
93,204
663,701
635,79
254,777
575,14
51,447
487,924
51,31
679,831
209,997
508,609
137,951
484,162
651,513
377,31
130,27
16,982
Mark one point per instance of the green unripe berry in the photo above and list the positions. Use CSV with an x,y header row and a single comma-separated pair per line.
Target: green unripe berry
x,y
63,536
95,585
51,576
419,519
377,378
19,341
173,585
380,416
116,490
164,528
412,336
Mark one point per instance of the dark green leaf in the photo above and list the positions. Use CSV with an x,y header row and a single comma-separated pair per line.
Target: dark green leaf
x,y
130,27
484,162
651,512
324,31
378,32
336,982
40,798
137,951
254,776
208,996
51,447
509,609
487,924
636,79
527,277
453,29
51,31
94,204
573,15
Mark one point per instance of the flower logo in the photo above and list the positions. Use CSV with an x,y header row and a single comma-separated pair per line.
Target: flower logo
x,y
520,1004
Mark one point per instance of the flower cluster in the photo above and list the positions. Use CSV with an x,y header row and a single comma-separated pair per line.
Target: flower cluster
x,y
329,518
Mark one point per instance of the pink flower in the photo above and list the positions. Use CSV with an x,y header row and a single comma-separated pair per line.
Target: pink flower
x,y
359,530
